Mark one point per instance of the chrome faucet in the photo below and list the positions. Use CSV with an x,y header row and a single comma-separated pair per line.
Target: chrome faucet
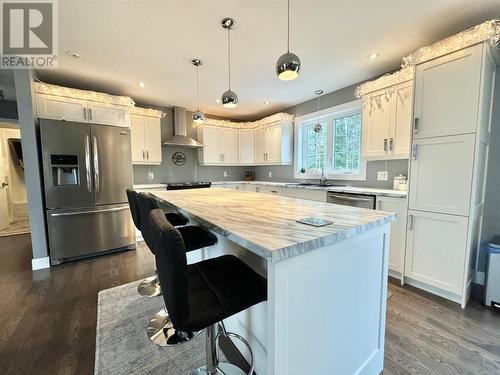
x,y
322,179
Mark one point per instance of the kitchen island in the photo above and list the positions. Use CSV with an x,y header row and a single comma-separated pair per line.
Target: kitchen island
x,y
327,285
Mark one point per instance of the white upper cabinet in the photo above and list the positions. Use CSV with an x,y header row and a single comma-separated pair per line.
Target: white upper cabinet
x,y
229,142
387,122
447,94
210,137
441,174
274,144
145,134
72,109
246,150
261,144
376,124
400,129
269,142
61,108
108,114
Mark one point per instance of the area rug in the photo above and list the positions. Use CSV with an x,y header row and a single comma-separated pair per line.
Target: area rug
x,y
122,345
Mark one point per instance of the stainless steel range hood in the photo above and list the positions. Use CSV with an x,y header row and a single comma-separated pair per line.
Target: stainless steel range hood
x,y
180,138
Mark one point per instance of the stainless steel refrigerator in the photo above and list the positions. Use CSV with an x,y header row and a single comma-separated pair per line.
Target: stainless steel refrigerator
x,y
87,168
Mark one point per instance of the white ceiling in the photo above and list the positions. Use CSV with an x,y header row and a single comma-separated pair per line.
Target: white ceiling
x,y
126,41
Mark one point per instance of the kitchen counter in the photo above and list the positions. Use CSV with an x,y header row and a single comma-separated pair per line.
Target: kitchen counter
x,y
266,224
331,280
344,189
150,186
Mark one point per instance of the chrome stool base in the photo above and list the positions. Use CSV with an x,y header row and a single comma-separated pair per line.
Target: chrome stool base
x,y
150,287
222,368
161,331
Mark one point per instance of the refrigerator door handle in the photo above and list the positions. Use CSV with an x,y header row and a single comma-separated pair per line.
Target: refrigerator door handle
x,y
89,212
87,164
96,163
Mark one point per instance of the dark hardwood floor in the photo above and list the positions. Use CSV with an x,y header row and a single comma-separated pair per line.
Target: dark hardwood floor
x,y
48,318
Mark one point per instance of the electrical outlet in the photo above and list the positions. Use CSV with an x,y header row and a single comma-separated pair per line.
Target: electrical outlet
x,y
382,176
270,174
225,173
151,176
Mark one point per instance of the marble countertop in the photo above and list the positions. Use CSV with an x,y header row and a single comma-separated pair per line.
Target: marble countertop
x,y
149,186
343,189
266,224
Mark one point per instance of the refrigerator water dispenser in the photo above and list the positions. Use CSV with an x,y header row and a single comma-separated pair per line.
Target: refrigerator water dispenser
x,y
65,171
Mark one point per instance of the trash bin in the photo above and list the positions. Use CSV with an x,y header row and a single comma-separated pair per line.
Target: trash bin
x,y
493,273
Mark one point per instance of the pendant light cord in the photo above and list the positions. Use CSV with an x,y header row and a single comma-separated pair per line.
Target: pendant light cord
x,y
229,54
288,30
197,89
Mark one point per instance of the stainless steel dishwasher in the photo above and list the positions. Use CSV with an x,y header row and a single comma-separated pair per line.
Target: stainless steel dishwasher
x,y
352,199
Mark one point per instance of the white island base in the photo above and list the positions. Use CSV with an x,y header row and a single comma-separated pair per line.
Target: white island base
x,y
325,312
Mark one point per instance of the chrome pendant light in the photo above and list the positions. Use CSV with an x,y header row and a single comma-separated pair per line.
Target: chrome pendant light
x,y
288,65
318,127
198,116
229,98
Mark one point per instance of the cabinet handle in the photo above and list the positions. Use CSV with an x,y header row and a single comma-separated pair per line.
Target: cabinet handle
x,y
410,222
385,144
223,157
147,154
85,113
391,144
415,125
90,114
414,152
143,154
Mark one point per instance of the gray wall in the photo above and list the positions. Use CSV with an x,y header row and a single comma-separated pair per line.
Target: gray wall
x,y
191,171
491,219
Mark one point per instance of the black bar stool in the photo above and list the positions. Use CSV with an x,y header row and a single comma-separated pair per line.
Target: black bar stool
x,y
202,294
160,328
150,287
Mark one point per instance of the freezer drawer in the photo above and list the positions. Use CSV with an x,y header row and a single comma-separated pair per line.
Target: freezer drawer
x,y
84,232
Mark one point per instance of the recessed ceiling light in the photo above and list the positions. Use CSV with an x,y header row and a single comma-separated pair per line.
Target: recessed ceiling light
x,y
217,101
373,56
267,102
141,84
73,54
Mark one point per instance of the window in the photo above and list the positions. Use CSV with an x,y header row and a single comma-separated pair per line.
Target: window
x,y
334,147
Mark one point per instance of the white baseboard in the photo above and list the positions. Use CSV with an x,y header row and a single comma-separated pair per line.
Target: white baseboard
x,y
40,263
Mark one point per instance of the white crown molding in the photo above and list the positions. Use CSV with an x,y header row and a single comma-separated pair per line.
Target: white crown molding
x,y
488,31
147,112
46,88
269,120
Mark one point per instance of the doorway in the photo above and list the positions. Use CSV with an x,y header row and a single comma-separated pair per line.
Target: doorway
x,y
13,198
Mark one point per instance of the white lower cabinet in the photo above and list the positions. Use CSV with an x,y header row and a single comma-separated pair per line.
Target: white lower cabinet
x,y
314,195
398,231
436,250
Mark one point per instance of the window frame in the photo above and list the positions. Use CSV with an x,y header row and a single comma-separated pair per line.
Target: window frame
x,y
328,114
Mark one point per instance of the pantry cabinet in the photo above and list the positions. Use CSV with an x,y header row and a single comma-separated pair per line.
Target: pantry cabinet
x,y
451,133
73,109
387,122
145,134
